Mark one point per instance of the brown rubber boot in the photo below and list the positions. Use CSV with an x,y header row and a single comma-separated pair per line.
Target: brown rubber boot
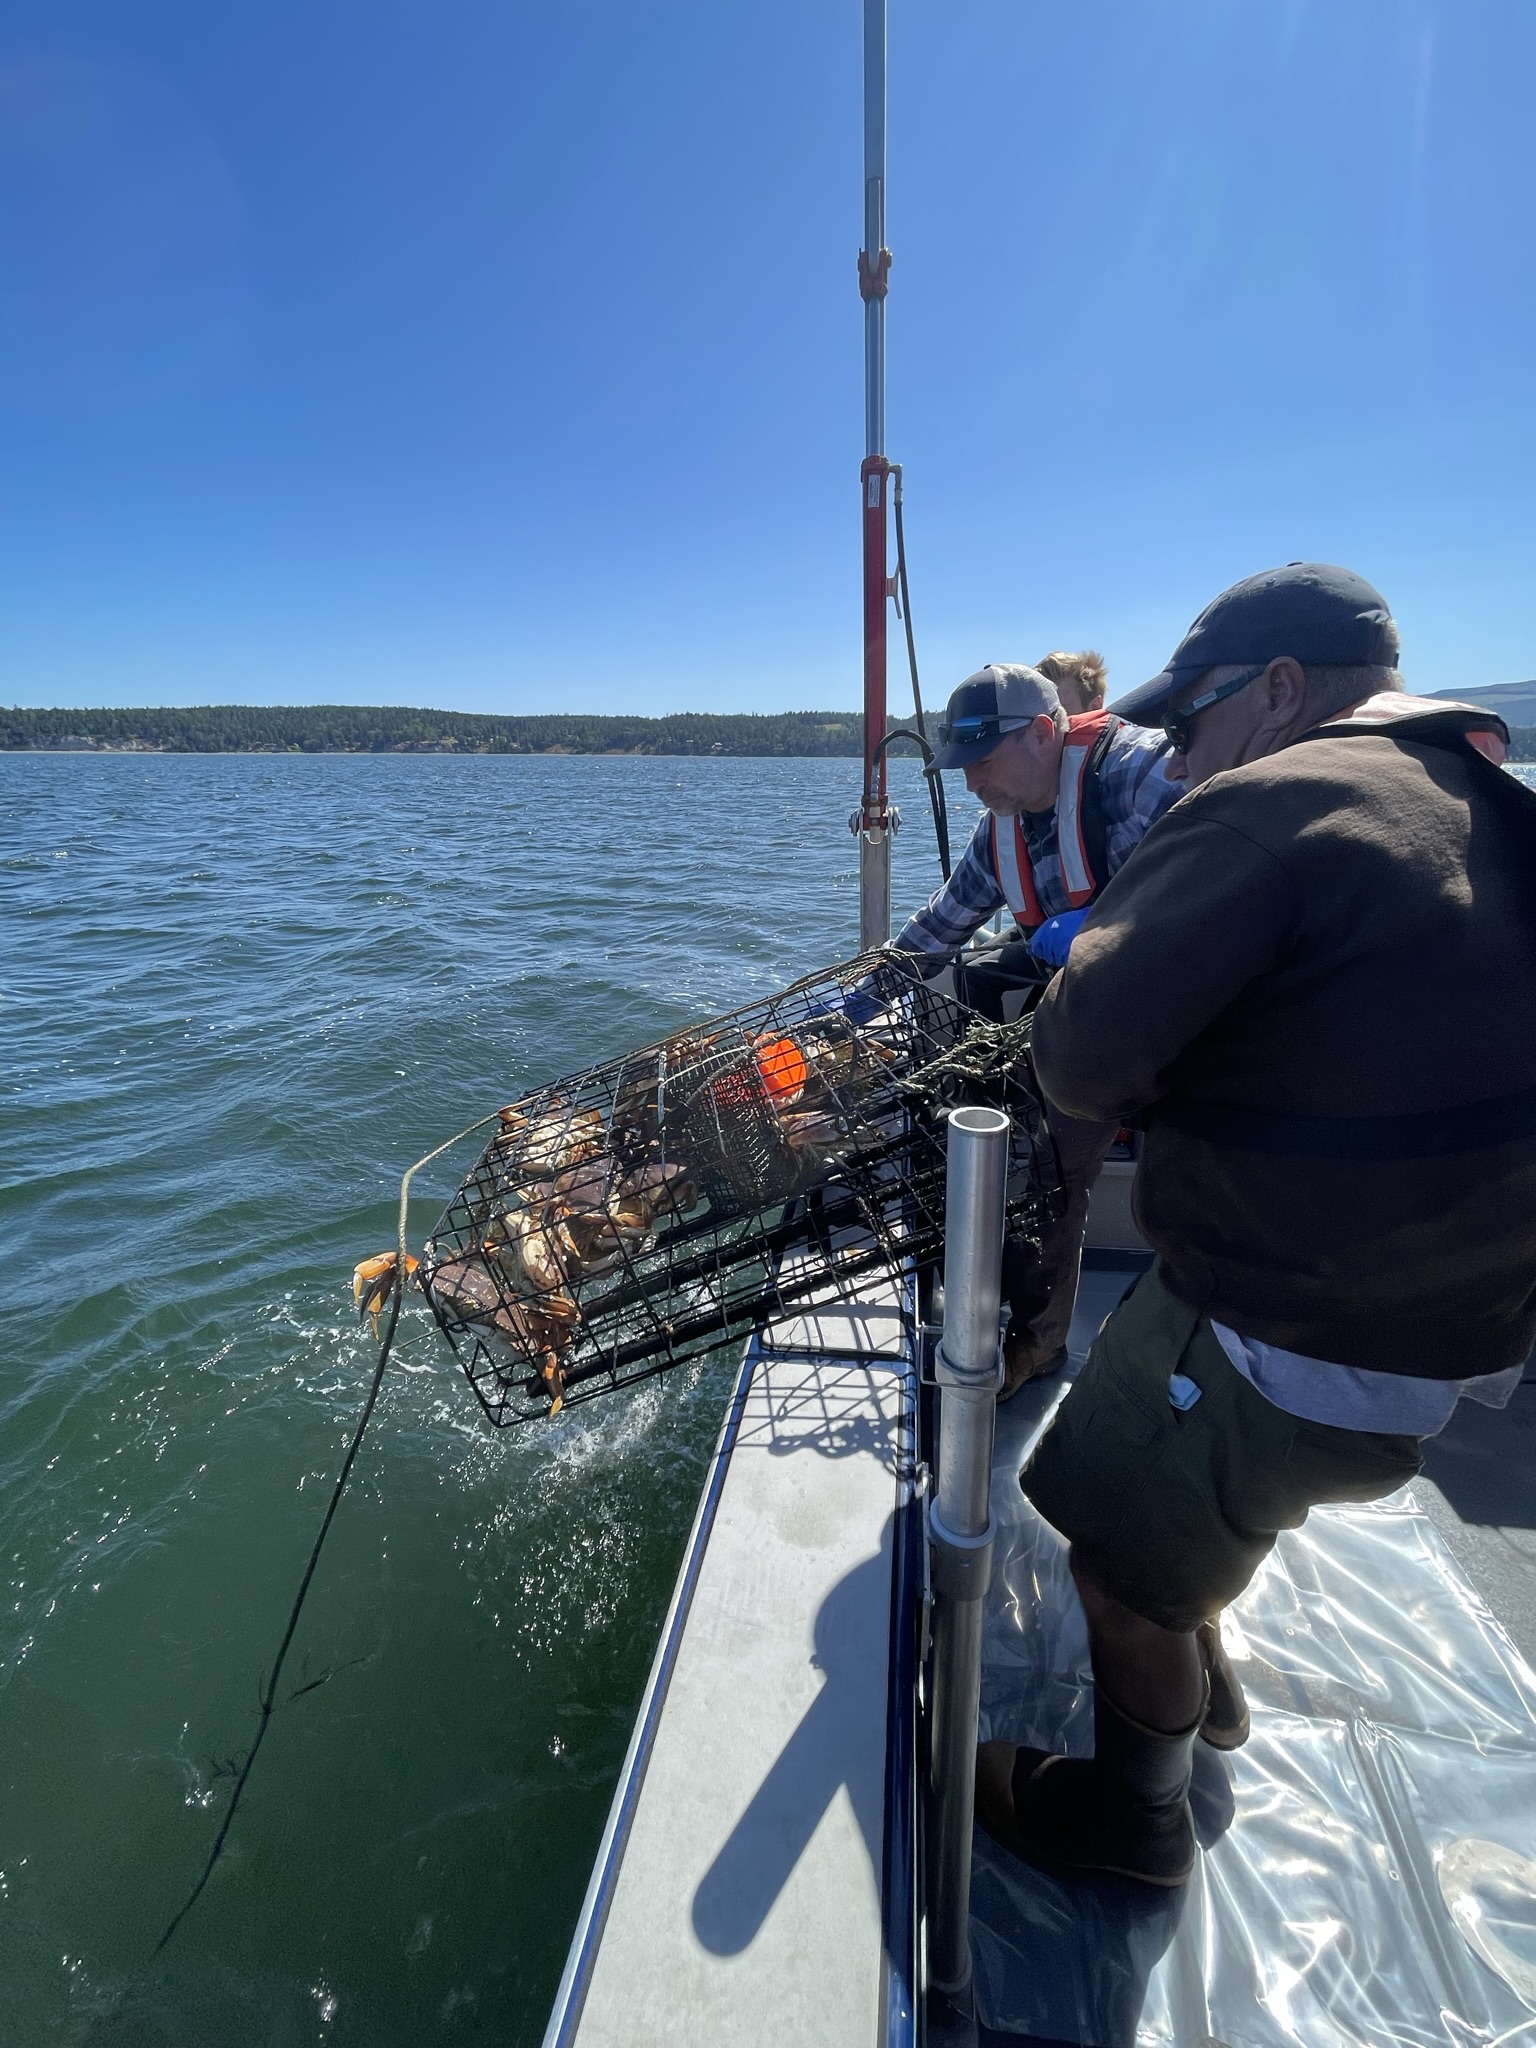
x,y
1226,1722
1124,1812
1019,1367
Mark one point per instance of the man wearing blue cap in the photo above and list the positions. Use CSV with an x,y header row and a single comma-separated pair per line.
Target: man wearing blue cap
x,y
1067,799
1338,1175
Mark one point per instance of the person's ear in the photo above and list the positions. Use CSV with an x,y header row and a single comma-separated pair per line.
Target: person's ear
x,y
1042,728
1284,687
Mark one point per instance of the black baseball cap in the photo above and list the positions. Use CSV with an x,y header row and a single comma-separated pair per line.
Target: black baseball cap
x,y
1320,615
986,707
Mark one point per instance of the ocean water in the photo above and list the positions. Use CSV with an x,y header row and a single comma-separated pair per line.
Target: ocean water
x,y
237,996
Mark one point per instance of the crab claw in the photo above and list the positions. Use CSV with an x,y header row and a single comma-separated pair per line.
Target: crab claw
x,y
374,1282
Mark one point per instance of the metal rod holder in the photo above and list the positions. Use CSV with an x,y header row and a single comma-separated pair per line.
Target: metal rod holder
x,y
969,1372
874,888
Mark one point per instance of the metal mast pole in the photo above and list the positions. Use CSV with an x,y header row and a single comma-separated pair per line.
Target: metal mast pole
x,y
874,821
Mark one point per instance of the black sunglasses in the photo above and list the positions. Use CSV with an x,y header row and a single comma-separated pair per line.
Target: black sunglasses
x,y
1177,723
965,732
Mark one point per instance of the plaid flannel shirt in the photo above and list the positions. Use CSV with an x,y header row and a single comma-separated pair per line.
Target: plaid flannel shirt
x,y
1134,793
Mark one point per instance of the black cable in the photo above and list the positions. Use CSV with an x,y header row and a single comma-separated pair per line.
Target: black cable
x,y
907,732
270,1694
935,783
402,1277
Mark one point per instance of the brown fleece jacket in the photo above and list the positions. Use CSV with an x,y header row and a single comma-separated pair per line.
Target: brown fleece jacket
x,y
1344,930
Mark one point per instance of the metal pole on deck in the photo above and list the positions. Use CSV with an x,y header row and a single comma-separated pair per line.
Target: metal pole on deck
x,y
874,821
959,1523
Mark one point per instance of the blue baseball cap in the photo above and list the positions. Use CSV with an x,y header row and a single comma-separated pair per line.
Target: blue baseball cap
x,y
987,706
1322,616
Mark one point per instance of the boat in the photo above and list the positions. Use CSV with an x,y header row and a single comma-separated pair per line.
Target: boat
x,y
785,1859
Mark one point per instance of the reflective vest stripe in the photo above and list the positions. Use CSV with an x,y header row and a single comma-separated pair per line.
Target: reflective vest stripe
x,y
1070,847
1015,877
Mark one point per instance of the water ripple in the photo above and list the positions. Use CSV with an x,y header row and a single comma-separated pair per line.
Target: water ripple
x,y
238,995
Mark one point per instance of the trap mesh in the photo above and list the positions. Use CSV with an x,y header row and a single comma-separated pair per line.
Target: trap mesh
x,y
633,1216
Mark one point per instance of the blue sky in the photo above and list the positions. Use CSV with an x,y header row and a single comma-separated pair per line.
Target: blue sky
x,y
495,356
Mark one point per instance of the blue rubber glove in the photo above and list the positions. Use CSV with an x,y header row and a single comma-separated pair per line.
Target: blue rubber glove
x,y
861,1004
1053,940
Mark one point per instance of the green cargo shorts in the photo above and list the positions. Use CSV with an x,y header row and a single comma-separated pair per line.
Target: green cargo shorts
x,y
1173,1511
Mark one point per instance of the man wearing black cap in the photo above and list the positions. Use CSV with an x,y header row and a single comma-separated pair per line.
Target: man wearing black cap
x,y
1316,988
1067,800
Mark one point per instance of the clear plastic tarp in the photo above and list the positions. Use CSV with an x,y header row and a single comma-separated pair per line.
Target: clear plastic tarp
x,y
1369,1874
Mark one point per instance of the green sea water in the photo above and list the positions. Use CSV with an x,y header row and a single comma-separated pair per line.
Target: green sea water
x,y
237,996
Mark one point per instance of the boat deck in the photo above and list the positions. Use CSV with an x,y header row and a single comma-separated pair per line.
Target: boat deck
x,y
1367,1876
1367,1873
741,1890
1478,1487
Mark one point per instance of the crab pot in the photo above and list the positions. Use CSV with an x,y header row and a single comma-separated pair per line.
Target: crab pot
x,y
631,1217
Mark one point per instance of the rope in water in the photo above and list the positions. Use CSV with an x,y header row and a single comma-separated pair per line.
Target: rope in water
x,y
269,1696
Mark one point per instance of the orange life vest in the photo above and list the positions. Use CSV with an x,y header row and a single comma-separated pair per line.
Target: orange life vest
x,y
1079,825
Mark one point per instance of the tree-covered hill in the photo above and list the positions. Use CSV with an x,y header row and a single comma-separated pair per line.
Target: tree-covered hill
x,y
362,729
352,729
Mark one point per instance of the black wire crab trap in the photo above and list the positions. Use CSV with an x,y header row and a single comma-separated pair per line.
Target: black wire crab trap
x,y
636,1215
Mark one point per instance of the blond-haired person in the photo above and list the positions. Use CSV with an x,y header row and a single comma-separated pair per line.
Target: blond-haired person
x,y
1080,679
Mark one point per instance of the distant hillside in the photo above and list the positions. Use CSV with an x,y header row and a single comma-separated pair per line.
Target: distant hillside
x,y
1516,705
358,729
1514,702
355,729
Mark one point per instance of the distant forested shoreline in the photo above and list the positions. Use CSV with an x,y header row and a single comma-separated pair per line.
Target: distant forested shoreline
x,y
358,729
361,729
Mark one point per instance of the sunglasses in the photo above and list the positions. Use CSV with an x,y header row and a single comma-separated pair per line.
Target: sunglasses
x,y
965,732
1177,723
